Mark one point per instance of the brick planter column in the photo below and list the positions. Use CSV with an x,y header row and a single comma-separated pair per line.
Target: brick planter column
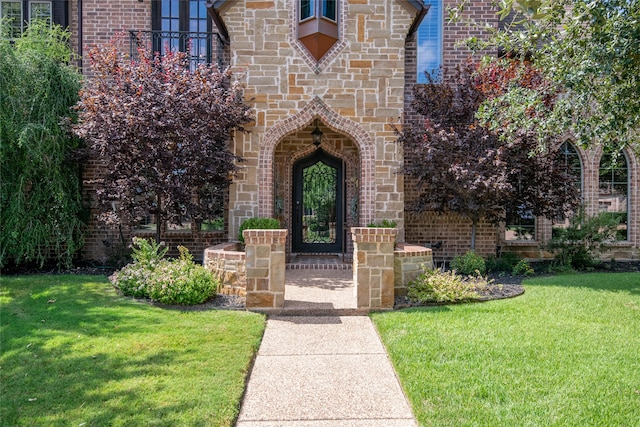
x,y
373,266
265,254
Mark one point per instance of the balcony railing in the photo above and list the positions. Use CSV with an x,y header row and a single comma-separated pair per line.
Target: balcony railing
x,y
202,48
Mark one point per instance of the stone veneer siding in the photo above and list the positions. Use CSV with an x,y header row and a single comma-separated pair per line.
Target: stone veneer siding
x,y
229,265
373,266
265,255
408,262
356,92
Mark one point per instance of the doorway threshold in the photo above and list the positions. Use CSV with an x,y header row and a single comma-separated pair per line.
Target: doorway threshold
x,y
319,261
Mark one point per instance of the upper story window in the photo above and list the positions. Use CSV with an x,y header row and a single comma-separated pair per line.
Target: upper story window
x,y
318,8
184,26
429,49
15,14
318,25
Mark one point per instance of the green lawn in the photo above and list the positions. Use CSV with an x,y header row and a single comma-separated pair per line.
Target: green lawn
x,y
74,353
566,353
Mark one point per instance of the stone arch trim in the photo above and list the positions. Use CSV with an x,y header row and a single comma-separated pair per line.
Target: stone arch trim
x,y
318,109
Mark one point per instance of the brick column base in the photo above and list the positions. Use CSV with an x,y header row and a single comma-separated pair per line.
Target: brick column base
x,y
373,266
265,254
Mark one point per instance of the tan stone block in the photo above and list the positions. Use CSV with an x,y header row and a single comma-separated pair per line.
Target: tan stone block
x,y
259,300
360,64
387,301
263,251
259,4
257,273
364,299
278,300
262,284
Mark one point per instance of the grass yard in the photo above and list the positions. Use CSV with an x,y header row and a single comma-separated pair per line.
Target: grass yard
x,y
566,353
74,353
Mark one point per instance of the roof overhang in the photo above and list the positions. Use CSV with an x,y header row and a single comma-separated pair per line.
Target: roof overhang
x,y
213,6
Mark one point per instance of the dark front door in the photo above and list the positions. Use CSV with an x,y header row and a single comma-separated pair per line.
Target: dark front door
x,y
318,204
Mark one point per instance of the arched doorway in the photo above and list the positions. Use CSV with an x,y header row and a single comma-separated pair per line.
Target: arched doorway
x,y
318,204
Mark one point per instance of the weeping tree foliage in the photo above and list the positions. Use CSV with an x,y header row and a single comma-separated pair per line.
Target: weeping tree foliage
x,y
162,130
40,186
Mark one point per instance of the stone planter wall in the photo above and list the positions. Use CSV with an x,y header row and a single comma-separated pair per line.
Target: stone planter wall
x,y
265,255
228,263
409,261
373,266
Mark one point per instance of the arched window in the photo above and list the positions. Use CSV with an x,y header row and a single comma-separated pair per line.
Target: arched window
x,y
429,55
569,158
613,194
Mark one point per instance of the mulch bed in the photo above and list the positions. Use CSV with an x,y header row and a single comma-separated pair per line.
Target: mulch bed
x,y
502,286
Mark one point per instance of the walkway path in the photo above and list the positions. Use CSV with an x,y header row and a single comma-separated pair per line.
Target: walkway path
x,y
323,371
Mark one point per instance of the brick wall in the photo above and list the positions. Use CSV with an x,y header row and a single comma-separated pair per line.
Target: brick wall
x,y
101,21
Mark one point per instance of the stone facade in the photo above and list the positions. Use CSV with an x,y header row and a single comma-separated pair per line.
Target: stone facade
x,y
355,92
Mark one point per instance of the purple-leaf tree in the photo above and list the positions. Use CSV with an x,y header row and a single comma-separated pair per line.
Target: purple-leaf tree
x,y
460,166
162,131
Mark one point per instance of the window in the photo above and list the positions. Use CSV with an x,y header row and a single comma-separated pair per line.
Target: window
x,y
613,195
520,226
184,26
569,158
318,26
11,14
306,9
14,14
329,9
429,49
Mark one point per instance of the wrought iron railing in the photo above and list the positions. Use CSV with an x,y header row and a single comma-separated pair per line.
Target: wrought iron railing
x,y
202,48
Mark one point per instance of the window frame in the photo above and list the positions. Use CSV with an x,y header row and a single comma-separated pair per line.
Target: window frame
x,y
436,6
612,183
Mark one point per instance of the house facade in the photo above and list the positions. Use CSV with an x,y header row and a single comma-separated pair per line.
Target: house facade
x,y
328,80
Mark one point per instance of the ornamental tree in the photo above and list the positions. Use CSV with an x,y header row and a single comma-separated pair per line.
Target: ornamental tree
x,y
588,52
40,195
463,167
161,129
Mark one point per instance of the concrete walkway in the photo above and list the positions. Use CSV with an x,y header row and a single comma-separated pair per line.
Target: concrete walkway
x,y
322,371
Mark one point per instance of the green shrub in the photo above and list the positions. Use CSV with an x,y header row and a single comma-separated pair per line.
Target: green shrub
x,y
179,281
386,223
147,252
469,264
444,286
577,245
132,280
504,263
522,268
258,224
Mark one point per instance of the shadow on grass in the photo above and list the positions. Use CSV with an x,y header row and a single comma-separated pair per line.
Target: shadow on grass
x,y
74,352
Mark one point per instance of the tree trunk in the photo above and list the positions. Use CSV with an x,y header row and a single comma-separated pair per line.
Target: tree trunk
x,y
158,219
474,223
